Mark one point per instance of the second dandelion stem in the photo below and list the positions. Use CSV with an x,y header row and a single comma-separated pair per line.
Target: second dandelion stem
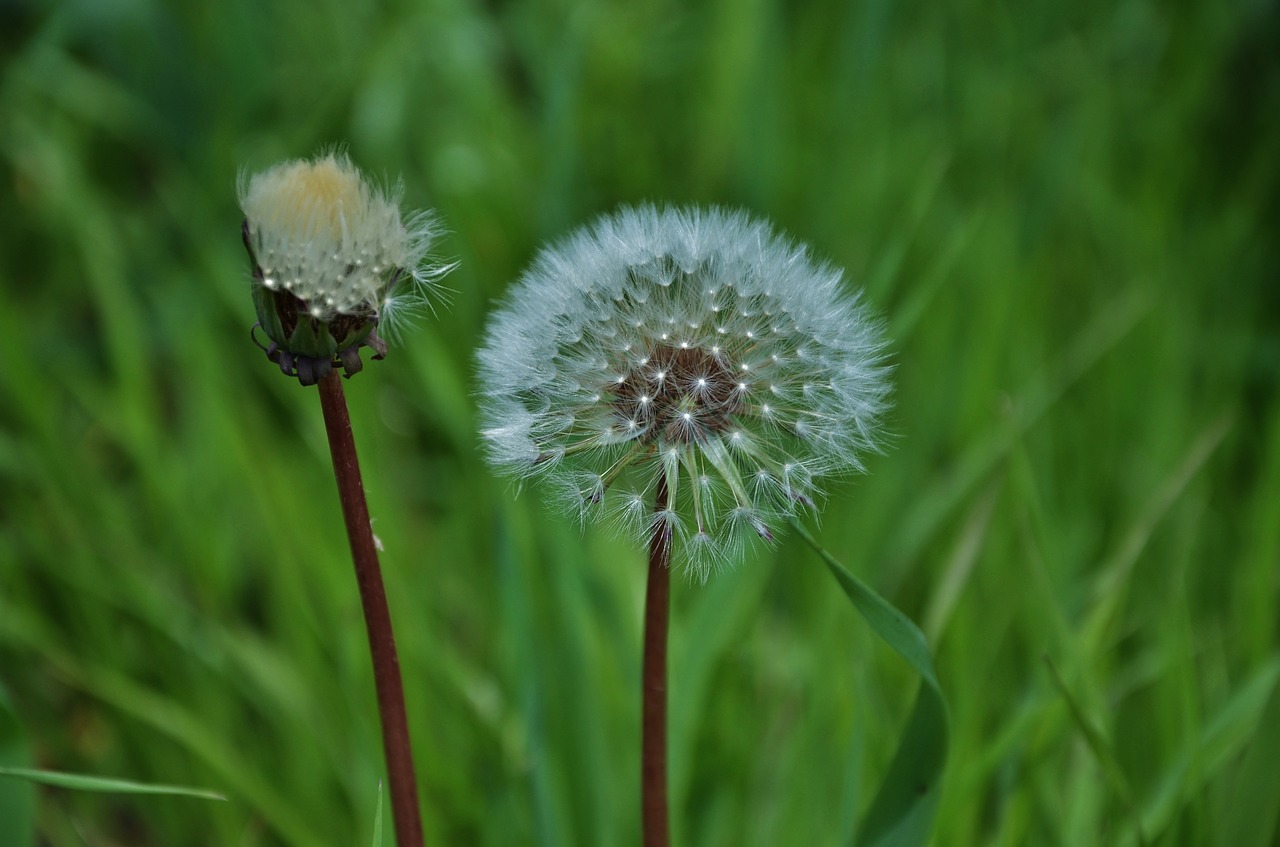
x,y
653,759
377,617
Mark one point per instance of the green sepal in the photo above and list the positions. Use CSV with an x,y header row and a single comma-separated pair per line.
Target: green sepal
x,y
268,318
311,338
356,336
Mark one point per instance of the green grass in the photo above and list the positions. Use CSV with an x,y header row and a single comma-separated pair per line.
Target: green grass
x,y
1066,213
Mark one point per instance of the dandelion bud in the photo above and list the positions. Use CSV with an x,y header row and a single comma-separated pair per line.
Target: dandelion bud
x,y
331,260
696,349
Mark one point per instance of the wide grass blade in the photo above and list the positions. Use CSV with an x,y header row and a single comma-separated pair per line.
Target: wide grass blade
x,y
901,815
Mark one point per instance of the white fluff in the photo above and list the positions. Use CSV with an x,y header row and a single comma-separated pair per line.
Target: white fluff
x,y
694,345
323,232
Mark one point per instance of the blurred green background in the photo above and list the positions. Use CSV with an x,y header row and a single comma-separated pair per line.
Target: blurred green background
x,y
1067,213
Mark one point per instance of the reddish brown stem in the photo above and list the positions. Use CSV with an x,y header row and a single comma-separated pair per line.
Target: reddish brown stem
x,y
377,617
653,756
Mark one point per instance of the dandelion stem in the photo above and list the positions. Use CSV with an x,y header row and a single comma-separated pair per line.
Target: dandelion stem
x,y
653,759
377,617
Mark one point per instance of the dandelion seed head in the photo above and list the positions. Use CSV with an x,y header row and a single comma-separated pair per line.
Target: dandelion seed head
x,y
683,406
332,258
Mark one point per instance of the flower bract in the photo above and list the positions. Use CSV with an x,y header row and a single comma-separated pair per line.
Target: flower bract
x,y
694,348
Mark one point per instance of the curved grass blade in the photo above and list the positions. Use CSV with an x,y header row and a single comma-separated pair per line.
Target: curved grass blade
x,y
902,813
79,782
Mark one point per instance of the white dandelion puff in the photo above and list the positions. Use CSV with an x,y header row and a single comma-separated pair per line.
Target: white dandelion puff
x,y
332,259
693,349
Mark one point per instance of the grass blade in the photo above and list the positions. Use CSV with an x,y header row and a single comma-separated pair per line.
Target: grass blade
x,y
1102,751
1254,810
80,782
17,800
901,815
377,819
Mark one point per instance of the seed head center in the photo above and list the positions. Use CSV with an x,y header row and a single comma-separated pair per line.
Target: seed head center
x,y
683,394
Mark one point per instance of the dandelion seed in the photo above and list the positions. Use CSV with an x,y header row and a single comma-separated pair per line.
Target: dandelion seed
x,y
683,409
